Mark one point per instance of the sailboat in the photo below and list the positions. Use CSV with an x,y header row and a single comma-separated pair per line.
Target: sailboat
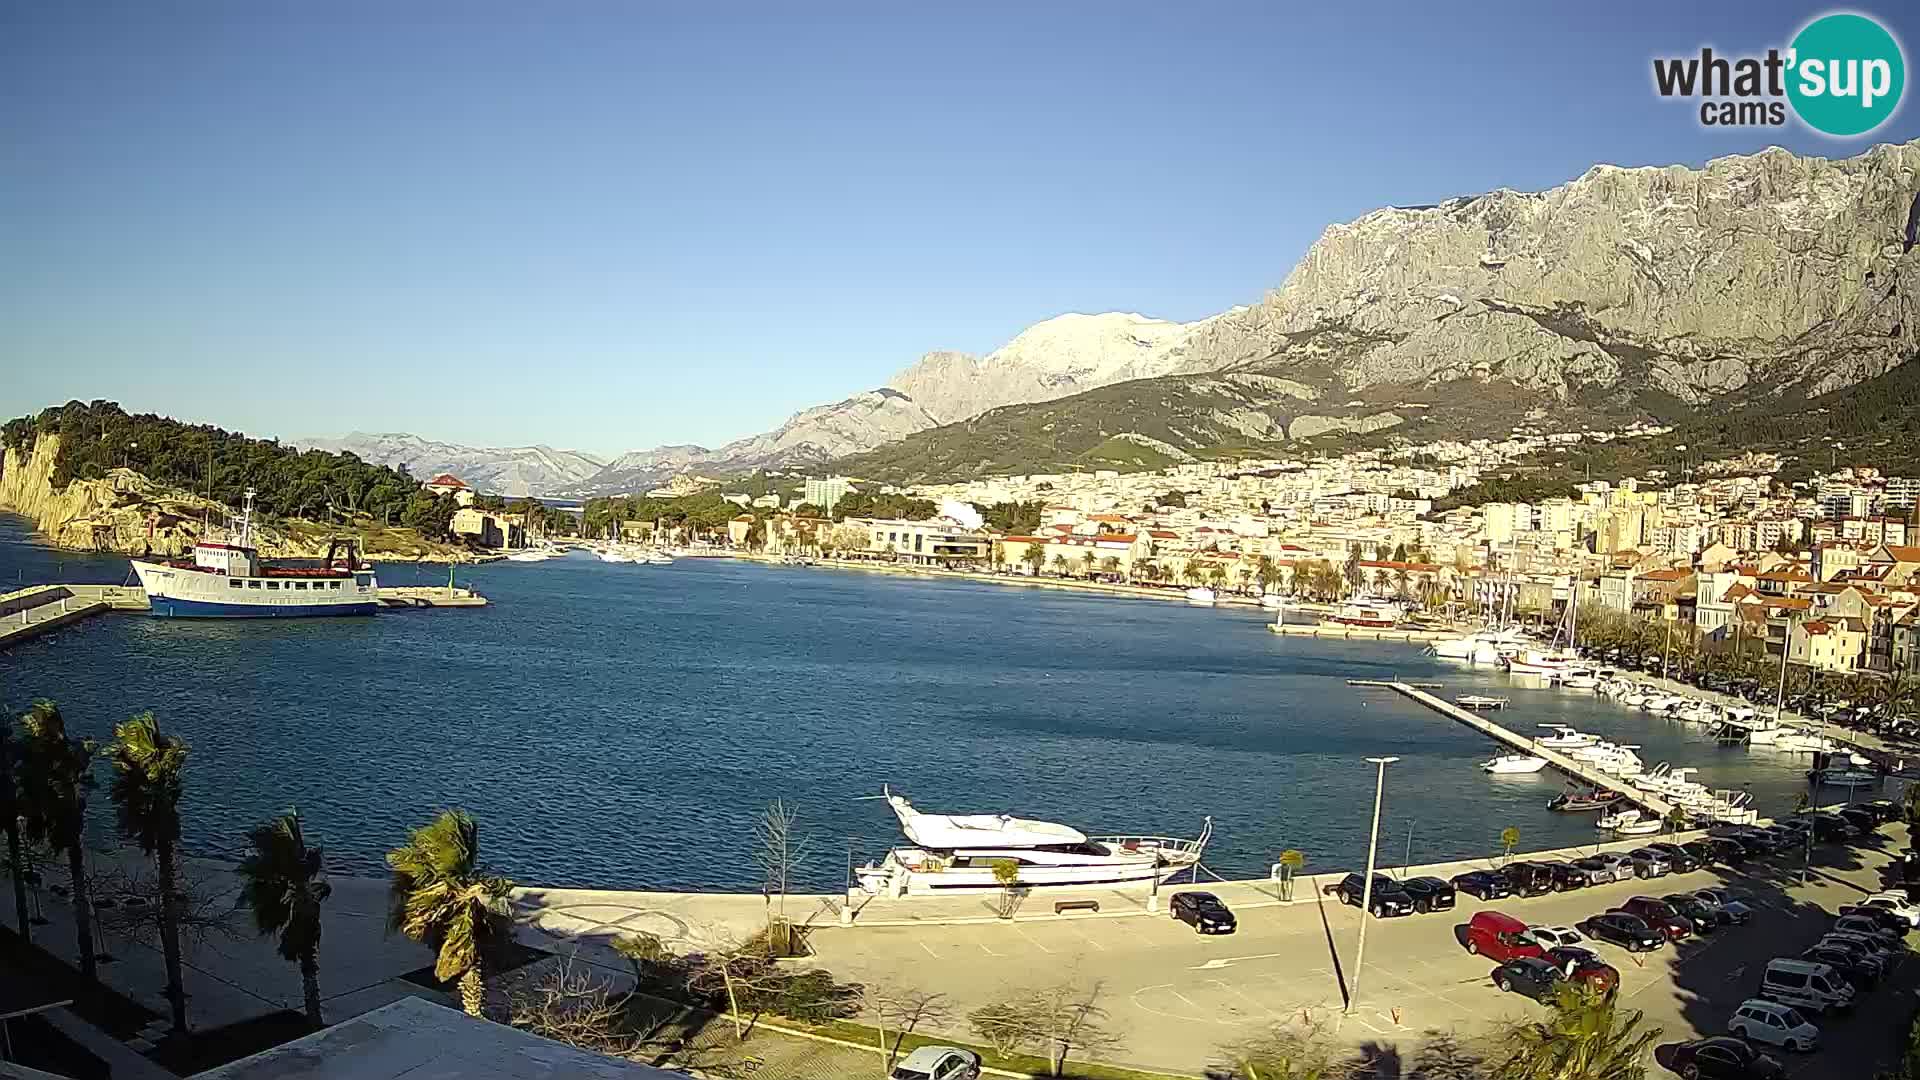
x,y
1557,659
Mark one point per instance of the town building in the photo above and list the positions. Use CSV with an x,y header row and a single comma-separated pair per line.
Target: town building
x,y
449,484
826,493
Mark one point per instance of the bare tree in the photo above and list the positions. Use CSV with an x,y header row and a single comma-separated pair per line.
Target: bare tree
x,y
902,1008
1056,1020
1443,1057
641,949
571,1004
780,852
1286,1052
129,905
740,970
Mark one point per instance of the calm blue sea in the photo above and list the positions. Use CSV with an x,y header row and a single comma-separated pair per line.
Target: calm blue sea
x,y
621,726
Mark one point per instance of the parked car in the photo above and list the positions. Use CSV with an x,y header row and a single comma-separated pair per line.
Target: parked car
x,y
1203,911
1483,884
938,1063
1872,946
1387,898
1729,901
1898,903
1885,809
1723,1057
1567,877
1659,915
1595,871
1630,932
1861,966
1870,925
1618,862
1864,821
1528,975
1528,878
1583,966
1679,858
1726,850
1429,894
1501,937
1754,841
1701,917
1832,828
1891,922
1552,936
1768,1022
1648,863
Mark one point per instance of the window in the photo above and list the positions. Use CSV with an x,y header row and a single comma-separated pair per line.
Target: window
x,y
333,585
235,583
299,584
273,584
253,584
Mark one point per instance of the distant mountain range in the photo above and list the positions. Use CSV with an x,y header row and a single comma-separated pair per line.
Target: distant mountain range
x,y
516,470
1628,293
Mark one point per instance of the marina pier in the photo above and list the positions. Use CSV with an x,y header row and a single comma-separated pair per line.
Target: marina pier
x,y
32,611
1579,770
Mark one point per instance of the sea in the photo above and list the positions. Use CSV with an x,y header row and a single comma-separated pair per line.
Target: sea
x,y
626,726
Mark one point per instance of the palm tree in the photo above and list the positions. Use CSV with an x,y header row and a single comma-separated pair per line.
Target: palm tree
x,y
148,782
441,898
1583,1038
1059,564
284,883
1087,560
1110,565
1218,575
54,779
1401,579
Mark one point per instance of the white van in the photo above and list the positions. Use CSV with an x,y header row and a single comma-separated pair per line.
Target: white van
x,y
1807,985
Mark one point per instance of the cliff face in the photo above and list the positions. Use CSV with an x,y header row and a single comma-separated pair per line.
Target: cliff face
x,y
128,514
1756,273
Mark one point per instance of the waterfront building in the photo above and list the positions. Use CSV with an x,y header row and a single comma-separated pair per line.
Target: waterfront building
x,y
449,484
826,493
489,528
928,543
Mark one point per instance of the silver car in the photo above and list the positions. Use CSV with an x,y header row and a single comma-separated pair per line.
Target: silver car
x,y
1648,863
1619,864
938,1063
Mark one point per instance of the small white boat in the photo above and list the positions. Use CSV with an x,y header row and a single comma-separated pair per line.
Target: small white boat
x,y
609,555
1564,738
1201,595
1514,763
1629,823
659,558
1273,601
1580,679
1367,611
1480,701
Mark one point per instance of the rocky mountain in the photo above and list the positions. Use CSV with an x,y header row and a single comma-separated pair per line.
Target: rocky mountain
x,y
1051,359
809,437
1626,293
516,470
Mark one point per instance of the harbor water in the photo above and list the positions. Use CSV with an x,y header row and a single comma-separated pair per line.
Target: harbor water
x,y
622,726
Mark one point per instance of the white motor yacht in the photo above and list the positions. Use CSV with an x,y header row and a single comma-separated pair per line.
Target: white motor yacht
x,y
1802,741
959,852
1202,595
1564,738
1514,763
1580,679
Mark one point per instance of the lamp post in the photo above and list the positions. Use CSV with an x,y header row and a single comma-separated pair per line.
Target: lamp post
x,y
1366,891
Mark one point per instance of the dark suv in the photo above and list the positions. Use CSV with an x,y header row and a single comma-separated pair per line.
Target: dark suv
x,y
1679,859
1568,876
1485,884
1528,878
1203,911
1429,894
1660,915
1388,897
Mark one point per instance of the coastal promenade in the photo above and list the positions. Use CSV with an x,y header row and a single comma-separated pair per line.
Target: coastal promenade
x,y
30,612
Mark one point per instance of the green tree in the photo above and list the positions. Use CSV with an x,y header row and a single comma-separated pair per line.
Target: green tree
x,y
1110,565
1354,575
1217,576
1584,1037
149,781
54,776
442,898
1400,553
1006,874
1059,564
1087,562
283,882
10,824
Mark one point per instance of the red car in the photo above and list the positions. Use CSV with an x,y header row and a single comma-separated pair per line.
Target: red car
x,y
1660,915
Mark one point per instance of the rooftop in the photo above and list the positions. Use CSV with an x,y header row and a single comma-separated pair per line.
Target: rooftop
x,y
415,1039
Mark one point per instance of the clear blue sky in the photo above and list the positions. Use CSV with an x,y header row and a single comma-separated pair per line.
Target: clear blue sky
x,y
613,225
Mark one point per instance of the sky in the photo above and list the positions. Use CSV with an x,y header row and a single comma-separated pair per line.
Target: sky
x,y
609,226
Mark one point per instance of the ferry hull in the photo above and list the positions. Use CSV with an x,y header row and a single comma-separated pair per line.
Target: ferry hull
x,y
169,607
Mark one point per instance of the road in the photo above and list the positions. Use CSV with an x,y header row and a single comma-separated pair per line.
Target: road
x,y
1177,997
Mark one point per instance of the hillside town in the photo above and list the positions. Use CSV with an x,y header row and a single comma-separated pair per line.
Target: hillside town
x,y
1829,565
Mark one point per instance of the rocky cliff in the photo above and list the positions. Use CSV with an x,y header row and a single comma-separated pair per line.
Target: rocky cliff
x,y
1757,273
128,514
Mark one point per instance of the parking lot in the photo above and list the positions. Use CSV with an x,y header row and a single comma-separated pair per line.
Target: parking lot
x,y
1177,996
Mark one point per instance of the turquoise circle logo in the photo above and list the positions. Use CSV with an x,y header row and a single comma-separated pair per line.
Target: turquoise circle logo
x,y
1848,73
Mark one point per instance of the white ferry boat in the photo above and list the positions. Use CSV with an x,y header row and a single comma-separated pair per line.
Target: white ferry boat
x,y
226,580
958,852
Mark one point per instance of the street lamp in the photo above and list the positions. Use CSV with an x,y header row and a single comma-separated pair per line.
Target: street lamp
x,y
1366,891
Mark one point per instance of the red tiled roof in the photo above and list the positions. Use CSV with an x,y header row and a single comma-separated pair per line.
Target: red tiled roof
x,y
447,480
1667,575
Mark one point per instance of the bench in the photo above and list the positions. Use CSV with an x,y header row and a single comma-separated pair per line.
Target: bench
x,y
1061,907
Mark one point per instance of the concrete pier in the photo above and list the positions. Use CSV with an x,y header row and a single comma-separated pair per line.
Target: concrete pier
x,y
1579,770
1355,633
30,612
429,596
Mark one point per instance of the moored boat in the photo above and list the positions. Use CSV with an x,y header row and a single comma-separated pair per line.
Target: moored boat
x,y
1514,763
1367,612
960,852
226,579
1201,595
1480,701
